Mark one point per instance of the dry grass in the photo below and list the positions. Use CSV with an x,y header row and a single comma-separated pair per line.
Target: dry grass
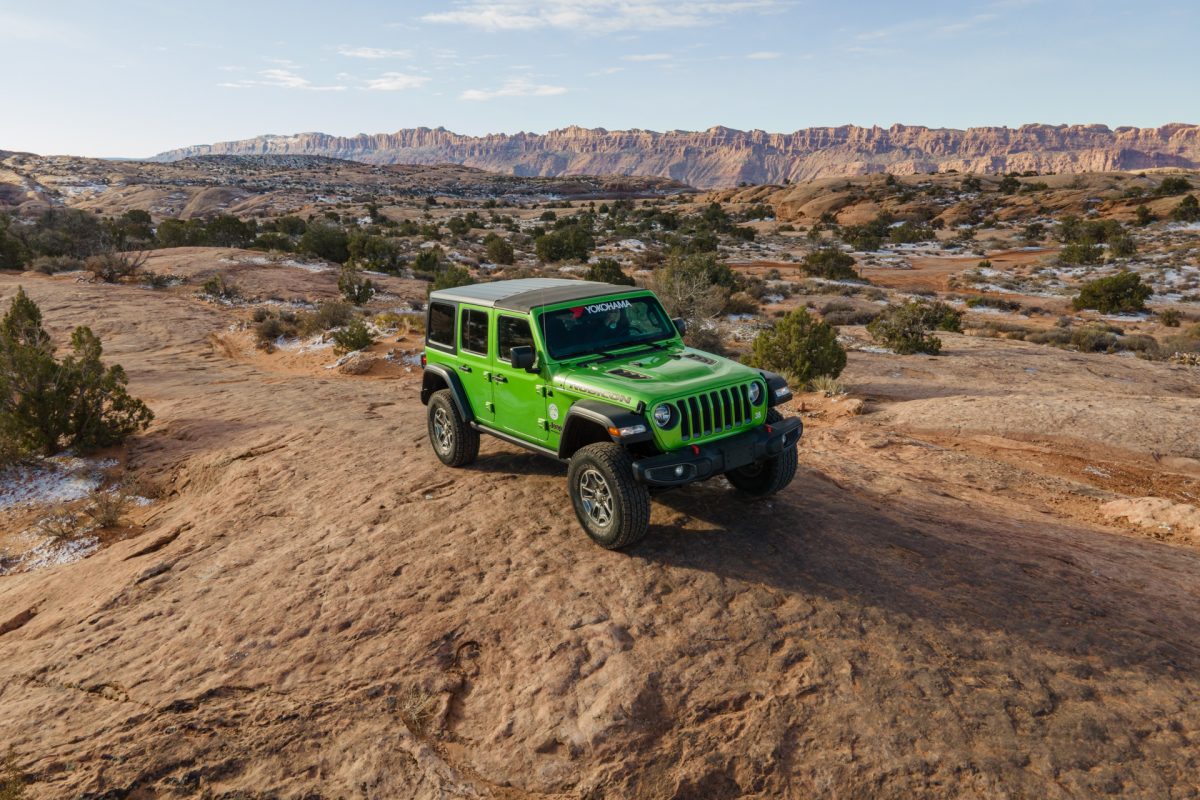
x,y
827,385
417,709
12,780
107,507
62,523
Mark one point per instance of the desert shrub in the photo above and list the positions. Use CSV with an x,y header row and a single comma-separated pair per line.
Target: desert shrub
x,y
1080,253
328,314
428,262
354,287
269,326
1093,339
12,250
180,233
827,385
226,230
909,233
66,232
1059,337
840,312
741,303
1188,210
499,250
45,402
607,270
458,226
571,242
1170,317
451,277
1114,294
116,267
1173,184
62,523
1143,216
993,302
355,336
326,241
272,240
907,328
831,264
11,448
694,287
800,347
107,507
217,288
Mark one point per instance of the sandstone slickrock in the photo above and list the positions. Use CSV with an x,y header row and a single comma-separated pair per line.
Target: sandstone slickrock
x,y
723,156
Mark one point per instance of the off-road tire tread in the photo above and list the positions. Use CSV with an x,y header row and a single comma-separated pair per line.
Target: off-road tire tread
x,y
782,469
466,438
631,514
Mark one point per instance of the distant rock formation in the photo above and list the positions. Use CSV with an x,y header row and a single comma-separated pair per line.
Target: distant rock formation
x,y
725,157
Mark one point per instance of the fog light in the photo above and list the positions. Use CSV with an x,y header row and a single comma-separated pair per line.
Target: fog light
x,y
679,471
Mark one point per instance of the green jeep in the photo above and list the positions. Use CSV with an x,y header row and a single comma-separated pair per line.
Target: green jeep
x,y
598,376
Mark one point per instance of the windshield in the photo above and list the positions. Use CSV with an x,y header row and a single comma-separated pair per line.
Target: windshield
x,y
604,326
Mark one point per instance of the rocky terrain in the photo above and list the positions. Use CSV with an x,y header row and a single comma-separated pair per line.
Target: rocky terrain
x,y
274,184
982,582
725,157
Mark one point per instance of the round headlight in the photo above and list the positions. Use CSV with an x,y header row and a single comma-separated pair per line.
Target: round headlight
x,y
755,392
662,415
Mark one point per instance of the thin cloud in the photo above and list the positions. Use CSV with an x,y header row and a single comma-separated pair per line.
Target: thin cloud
x,y
373,53
281,78
764,55
593,16
396,82
517,87
648,57
606,71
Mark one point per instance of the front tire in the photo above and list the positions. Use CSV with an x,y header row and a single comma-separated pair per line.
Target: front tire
x,y
612,507
767,477
454,441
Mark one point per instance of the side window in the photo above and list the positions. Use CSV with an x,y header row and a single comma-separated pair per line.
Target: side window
x,y
441,324
511,332
474,331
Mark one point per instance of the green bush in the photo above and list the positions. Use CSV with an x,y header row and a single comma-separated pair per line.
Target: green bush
x,y
607,270
355,336
1170,317
326,241
1114,294
450,277
1174,184
1188,210
46,403
499,249
354,287
1144,216
907,328
799,347
572,242
830,263
329,314
1080,253
1093,339
218,288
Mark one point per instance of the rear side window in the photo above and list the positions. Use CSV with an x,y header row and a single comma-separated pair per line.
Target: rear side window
x,y
474,331
441,324
511,332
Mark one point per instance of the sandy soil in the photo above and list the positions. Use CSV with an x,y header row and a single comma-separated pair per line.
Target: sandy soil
x,y
943,604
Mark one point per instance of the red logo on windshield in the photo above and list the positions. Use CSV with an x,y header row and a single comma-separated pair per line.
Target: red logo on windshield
x,y
577,312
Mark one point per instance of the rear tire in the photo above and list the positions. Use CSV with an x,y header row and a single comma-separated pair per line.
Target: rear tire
x,y
612,507
454,441
767,477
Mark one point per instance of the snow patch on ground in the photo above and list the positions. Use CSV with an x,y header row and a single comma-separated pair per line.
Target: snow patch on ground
x,y
58,479
50,552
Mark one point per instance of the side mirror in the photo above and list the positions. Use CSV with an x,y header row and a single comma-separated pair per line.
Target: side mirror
x,y
522,358
680,325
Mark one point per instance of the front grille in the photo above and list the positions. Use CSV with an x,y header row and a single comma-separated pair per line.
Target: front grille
x,y
713,412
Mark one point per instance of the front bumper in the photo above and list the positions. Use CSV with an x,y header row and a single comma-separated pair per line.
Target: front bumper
x,y
697,462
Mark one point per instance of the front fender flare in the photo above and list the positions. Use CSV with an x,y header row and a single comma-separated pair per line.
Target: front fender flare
x,y
604,415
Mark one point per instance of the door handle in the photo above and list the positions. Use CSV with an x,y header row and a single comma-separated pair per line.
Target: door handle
x,y
499,379
465,367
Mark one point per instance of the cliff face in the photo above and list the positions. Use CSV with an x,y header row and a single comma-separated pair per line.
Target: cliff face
x,y
725,157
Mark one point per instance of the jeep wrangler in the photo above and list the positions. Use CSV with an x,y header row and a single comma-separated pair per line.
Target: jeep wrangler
x,y
598,376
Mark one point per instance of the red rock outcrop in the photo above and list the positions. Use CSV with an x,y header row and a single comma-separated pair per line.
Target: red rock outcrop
x,y
725,157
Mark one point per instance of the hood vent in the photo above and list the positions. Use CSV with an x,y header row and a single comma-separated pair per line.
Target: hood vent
x,y
700,358
621,372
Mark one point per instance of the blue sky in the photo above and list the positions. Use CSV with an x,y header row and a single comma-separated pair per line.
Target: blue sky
x,y
124,78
